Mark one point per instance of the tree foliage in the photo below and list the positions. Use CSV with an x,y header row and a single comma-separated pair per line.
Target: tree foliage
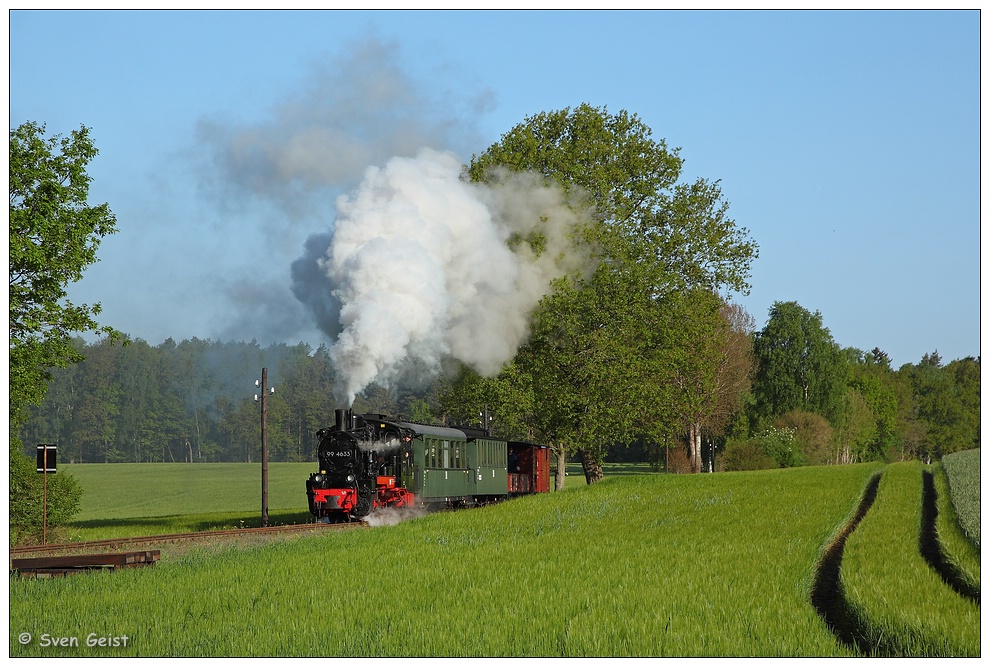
x,y
923,410
946,399
800,366
54,236
186,401
607,345
871,383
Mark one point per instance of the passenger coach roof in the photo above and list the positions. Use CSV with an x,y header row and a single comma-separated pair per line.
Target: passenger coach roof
x,y
435,431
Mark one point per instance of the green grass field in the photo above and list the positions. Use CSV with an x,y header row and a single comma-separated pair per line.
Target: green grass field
x,y
638,565
963,472
903,607
956,543
136,499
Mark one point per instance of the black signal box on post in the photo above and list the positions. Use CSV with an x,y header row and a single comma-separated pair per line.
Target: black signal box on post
x,y
46,459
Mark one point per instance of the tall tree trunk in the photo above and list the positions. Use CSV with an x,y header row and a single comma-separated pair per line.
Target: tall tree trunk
x,y
561,467
694,446
592,466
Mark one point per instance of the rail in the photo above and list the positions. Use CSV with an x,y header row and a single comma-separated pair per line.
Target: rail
x,y
123,542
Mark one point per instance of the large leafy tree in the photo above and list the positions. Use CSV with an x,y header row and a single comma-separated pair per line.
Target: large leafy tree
x,y
604,343
54,235
800,367
731,348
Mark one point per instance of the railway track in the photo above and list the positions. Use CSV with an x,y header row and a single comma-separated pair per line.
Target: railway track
x,y
94,546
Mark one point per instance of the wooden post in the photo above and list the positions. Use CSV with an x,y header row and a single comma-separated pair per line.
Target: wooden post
x,y
43,466
44,498
264,447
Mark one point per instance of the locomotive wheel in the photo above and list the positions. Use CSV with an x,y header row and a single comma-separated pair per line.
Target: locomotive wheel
x,y
363,506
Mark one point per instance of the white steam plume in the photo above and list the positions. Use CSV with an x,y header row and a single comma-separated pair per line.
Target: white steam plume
x,y
390,516
422,267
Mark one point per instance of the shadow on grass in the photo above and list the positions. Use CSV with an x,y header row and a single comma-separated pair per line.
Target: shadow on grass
x,y
613,469
931,548
163,525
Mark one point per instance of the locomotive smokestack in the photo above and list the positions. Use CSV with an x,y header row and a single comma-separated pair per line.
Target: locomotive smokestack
x,y
338,419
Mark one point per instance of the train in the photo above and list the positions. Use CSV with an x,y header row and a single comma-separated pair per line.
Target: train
x,y
370,461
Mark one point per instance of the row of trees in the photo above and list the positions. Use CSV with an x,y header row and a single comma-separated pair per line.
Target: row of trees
x,y
808,401
187,401
813,402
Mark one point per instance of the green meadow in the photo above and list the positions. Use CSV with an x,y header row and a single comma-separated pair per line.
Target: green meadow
x,y
638,565
137,499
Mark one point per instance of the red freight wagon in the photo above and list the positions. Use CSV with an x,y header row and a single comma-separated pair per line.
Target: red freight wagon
x,y
529,468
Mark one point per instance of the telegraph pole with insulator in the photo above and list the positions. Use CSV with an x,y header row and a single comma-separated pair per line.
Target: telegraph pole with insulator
x,y
265,390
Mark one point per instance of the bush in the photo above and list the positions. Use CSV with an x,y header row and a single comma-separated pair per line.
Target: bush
x,y
26,489
777,448
783,447
813,433
746,455
678,460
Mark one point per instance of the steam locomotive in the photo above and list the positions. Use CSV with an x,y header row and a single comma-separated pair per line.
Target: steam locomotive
x,y
370,461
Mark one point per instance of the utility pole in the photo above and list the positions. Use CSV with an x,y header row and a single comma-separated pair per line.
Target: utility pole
x,y
264,443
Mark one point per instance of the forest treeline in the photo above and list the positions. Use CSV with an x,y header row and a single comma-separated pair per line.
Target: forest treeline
x,y
195,401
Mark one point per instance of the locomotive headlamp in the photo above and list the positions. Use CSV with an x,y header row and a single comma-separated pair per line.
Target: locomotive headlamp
x,y
317,478
350,478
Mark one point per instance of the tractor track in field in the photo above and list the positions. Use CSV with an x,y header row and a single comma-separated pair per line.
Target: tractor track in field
x,y
827,595
101,546
931,548
826,592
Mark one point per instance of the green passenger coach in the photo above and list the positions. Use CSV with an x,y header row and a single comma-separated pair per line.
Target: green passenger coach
x,y
454,464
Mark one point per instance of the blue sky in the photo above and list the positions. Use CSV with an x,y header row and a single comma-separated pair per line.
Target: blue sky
x,y
848,144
